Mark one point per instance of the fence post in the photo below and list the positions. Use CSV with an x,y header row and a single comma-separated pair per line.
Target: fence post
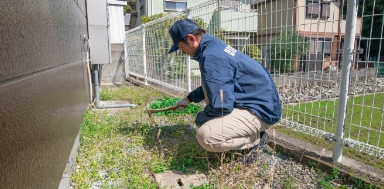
x,y
144,55
347,58
188,62
126,56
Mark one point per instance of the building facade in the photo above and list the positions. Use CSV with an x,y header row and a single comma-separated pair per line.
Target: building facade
x,y
152,7
321,22
44,89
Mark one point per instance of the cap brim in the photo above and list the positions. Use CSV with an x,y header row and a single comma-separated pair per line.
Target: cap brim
x,y
174,48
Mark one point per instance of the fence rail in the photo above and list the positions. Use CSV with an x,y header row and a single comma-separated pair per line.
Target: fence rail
x,y
326,58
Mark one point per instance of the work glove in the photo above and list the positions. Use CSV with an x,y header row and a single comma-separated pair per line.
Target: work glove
x,y
181,104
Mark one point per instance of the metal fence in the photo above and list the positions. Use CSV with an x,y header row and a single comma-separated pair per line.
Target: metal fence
x,y
325,56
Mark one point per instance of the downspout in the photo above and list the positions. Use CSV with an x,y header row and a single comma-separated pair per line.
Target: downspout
x,y
97,93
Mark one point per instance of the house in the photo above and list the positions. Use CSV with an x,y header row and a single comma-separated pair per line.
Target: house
x,y
237,22
152,7
234,20
321,22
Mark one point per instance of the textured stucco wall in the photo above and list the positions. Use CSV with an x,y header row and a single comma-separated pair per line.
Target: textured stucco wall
x,y
43,87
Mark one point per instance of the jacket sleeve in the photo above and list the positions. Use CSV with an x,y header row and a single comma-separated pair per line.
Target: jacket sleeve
x,y
196,95
218,76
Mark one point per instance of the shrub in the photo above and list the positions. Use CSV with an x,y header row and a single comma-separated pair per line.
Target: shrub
x,y
285,48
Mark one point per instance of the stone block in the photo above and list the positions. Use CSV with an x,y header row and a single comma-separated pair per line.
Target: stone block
x,y
179,180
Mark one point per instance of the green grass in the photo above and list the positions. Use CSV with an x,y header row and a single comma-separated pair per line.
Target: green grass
x,y
366,111
363,122
138,96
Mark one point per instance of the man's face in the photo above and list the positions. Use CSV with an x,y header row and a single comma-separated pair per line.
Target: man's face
x,y
190,48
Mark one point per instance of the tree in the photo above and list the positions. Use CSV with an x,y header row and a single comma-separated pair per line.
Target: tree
x,y
130,8
220,34
146,19
285,49
254,52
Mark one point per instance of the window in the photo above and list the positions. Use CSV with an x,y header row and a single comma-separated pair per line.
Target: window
x,y
325,10
175,5
142,10
320,46
313,9
142,7
327,43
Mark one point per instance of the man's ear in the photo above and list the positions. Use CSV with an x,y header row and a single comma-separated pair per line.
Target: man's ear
x,y
192,38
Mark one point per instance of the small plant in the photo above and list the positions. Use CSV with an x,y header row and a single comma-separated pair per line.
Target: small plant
x,y
160,168
167,102
324,184
289,183
314,165
203,186
106,94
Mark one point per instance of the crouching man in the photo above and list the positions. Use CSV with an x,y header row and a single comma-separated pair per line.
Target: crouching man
x,y
242,101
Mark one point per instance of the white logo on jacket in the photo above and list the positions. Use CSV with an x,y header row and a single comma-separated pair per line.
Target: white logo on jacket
x,y
230,50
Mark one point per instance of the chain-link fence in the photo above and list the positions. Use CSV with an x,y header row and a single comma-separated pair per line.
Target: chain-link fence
x,y
325,56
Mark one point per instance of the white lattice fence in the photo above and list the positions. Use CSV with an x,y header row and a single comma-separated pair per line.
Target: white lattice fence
x,y
326,59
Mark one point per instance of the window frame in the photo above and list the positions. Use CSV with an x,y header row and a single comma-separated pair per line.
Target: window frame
x,y
320,46
175,1
309,12
328,11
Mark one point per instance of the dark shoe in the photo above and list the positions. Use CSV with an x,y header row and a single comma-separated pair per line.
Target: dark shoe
x,y
253,153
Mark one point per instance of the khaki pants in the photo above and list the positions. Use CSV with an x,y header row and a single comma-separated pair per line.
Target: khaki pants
x,y
237,131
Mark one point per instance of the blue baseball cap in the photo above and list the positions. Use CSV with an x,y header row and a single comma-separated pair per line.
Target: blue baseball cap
x,y
179,30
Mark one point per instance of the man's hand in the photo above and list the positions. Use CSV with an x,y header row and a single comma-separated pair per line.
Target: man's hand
x,y
181,104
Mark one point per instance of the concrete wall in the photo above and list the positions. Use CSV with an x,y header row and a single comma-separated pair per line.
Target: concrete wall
x,y
114,72
236,21
43,87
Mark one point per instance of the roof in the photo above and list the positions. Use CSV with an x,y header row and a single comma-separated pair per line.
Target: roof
x,y
127,19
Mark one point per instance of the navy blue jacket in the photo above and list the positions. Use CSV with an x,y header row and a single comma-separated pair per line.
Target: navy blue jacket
x,y
246,84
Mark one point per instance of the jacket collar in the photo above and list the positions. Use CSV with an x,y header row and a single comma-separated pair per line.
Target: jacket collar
x,y
203,43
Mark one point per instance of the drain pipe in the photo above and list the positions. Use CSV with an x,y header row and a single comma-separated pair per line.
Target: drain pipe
x,y
97,93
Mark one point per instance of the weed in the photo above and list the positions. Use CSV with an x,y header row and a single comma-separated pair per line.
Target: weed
x,y
289,183
314,165
160,168
106,94
265,166
203,186
324,184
